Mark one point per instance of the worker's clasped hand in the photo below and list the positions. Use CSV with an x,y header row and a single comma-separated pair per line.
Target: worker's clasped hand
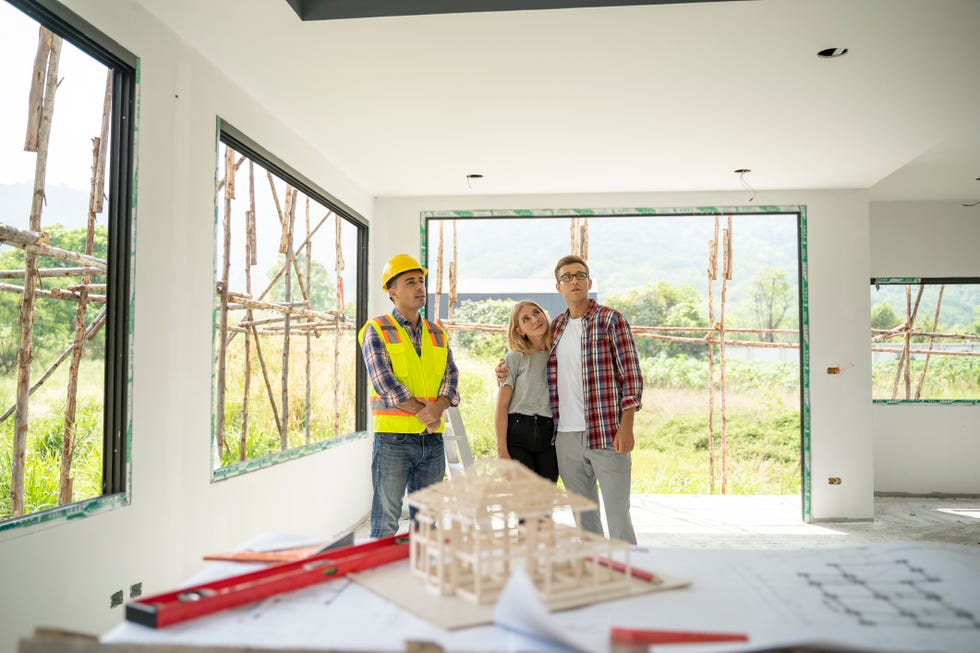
x,y
430,415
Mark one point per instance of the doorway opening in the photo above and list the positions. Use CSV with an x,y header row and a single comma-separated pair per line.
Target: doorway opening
x,y
716,298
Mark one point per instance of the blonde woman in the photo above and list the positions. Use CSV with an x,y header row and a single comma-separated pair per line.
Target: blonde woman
x,y
522,420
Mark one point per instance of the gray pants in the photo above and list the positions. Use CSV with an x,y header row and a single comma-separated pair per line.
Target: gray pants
x,y
581,467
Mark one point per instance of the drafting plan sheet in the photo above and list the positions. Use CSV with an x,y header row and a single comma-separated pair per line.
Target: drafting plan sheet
x,y
896,597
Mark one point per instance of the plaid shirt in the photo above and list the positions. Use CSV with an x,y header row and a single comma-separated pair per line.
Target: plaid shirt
x,y
611,377
390,390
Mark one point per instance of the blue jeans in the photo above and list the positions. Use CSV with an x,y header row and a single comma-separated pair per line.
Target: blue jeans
x,y
400,462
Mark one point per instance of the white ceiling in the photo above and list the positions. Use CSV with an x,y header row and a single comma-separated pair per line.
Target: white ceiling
x,y
618,99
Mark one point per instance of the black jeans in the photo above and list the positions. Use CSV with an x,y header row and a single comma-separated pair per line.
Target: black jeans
x,y
529,443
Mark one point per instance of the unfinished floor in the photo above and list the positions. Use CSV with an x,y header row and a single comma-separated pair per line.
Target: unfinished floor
x,y
776,522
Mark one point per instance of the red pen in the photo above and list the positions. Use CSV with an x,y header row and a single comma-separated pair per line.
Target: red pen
x,y
634,637
642,574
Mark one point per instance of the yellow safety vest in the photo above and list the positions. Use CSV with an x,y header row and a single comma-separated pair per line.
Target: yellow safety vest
x,y
422,375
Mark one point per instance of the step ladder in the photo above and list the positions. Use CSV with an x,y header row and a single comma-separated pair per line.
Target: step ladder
x,y
458,454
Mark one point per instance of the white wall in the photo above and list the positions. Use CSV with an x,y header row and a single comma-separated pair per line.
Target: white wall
x,y
64,572
926,448
838,235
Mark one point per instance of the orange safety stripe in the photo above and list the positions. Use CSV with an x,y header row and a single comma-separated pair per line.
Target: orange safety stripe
x,y
388,329
437,335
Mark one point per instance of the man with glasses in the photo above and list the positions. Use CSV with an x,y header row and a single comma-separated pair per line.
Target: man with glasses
x,y
596,386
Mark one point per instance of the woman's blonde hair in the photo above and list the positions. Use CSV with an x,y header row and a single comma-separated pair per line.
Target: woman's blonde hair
x,y
517,341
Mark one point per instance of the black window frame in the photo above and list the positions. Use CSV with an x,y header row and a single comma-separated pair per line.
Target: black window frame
x,y
120,180
236,139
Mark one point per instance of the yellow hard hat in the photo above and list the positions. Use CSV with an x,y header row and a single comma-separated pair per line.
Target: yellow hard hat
x,y
396,265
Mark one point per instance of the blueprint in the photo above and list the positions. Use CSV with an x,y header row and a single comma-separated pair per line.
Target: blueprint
x,y
903,597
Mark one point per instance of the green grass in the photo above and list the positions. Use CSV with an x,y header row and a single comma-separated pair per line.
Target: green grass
x,y
45,436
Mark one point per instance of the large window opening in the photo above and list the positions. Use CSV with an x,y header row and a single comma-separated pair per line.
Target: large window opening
x,y
715,300
66,197
290,266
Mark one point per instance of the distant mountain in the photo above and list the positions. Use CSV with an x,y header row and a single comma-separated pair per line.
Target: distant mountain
x,y
64,205
624,252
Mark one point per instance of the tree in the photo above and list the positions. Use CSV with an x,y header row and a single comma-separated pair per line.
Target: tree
x,y
485,311
663,304
883,316
323,292
53,318
772,295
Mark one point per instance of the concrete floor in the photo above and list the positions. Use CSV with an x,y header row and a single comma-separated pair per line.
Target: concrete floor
x,y
776,522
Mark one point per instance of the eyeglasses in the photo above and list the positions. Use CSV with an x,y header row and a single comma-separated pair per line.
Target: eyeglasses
x,y
581,276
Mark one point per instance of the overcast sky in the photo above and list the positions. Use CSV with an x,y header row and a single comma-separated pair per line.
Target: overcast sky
x,y
77,114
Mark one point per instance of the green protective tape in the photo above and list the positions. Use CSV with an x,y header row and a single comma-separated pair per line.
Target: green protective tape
x,y
230,471
896,280
912,402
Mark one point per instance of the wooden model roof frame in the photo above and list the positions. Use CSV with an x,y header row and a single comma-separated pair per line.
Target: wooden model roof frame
x,y
474,528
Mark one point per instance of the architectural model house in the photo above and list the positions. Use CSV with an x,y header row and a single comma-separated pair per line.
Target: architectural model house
x,y
475,528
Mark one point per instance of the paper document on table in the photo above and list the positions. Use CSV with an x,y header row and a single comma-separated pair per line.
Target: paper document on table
x,y
521,609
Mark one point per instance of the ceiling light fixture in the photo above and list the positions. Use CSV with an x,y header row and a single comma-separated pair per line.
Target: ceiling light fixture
x,y
832,53
972,203
741,172
470,178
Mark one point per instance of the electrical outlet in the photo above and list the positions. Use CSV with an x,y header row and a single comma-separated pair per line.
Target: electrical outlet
x,y
834,480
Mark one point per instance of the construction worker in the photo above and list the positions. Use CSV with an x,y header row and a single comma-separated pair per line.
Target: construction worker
x,y
413,380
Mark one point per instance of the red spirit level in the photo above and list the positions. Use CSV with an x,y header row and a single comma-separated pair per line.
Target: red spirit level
x,y
192,602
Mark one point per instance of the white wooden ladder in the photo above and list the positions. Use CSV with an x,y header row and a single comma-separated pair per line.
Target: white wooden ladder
x,y
458,454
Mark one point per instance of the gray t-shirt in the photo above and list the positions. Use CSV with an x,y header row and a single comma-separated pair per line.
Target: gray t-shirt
x,y
527,374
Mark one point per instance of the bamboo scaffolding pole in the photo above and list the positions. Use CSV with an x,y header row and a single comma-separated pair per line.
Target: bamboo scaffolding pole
x,y
69,439
90,332
287,296
934,334
297,328
309,342
727,241
78,287
903,362
290,198
53,272
340,264
219,418
453,271
238,164
33,242
54,293
250,260
438,298
265,377
25,353
927,352
245,302
712,277
932,340
275,277
35,97
583,239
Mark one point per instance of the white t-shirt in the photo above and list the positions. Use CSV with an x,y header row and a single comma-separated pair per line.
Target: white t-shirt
x,y
571,398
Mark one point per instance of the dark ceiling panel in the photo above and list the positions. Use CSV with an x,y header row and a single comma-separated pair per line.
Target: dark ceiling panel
x,y
337,9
